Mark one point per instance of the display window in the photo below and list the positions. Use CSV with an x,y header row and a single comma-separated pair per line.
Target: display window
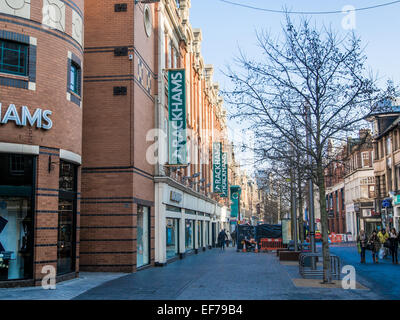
x,y
143,238
189,235
172,237
206,240
200,233
16,216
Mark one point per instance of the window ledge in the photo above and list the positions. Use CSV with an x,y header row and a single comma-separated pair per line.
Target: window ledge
x,y
14,76
75,95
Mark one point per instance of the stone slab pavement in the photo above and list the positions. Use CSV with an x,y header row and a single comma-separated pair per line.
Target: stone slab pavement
x,y
65,290
216,275
210,275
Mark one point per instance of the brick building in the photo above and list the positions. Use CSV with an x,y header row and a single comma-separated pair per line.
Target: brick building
x,y
360,185
188,213
41,50
335,191
117,220
137,210
386,165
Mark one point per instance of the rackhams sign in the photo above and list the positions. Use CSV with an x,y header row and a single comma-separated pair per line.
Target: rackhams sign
x,y
177,116
23,117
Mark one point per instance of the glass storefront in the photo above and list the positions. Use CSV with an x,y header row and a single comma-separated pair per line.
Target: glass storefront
x,y
172,235
189,235
143,239
66,244
16,216
206,240
200,233
66,232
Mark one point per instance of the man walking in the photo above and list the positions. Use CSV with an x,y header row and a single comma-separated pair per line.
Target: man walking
x,y
233,235
221,239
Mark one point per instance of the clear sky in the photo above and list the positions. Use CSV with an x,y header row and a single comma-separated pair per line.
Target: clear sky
x,y
226,27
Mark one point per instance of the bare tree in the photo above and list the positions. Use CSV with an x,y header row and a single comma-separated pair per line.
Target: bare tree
x,y
311,71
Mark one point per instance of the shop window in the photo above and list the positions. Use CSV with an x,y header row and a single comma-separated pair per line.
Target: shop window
x,y
173,209
206,240
200,233
143,239
17,164
172,237
16,217
66,242
189,234
75,79
13,58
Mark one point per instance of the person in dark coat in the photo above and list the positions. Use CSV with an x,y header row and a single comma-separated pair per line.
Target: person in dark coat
x,y
394,244
233,235
376,245
362,240
222,238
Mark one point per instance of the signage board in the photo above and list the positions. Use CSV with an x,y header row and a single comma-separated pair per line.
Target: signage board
x,y
175,196
224,173
177,116
217,167
235,201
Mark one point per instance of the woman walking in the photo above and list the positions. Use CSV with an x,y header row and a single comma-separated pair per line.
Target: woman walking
x,y
376,245
362,241
394,244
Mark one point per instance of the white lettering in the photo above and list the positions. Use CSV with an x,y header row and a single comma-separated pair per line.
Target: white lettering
x,y
40,118
12,115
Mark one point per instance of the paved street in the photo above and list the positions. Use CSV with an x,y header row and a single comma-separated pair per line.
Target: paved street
x,y
214,275
383,278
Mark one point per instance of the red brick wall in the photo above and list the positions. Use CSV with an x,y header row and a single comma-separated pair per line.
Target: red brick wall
x,y
116,176
50,94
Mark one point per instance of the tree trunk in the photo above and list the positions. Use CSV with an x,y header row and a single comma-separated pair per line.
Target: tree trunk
x,y
324,224
301,221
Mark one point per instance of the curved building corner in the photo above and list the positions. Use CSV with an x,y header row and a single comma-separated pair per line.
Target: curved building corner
x,y
41,50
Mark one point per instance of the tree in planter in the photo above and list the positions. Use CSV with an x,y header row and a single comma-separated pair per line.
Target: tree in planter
x,y
314,80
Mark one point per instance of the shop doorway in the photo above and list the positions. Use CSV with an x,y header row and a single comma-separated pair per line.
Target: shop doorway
x,y
67,203
370,226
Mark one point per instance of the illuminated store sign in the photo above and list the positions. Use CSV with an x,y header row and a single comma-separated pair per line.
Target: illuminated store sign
x,y
40,118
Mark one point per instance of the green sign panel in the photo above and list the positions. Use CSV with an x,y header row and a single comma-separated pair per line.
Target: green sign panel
x,y
217,167
177,116
235,200
224,169
396,199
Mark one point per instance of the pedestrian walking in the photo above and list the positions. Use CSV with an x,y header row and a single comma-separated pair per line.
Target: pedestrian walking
x,y
394,244
228,238
383,237
375,246
362,241
233,236
221,239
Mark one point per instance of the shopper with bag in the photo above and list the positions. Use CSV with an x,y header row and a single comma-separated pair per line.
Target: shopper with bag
x,y
383,239
362,244
374,244
394,244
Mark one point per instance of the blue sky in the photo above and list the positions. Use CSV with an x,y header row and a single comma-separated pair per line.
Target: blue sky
x,y
226,27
